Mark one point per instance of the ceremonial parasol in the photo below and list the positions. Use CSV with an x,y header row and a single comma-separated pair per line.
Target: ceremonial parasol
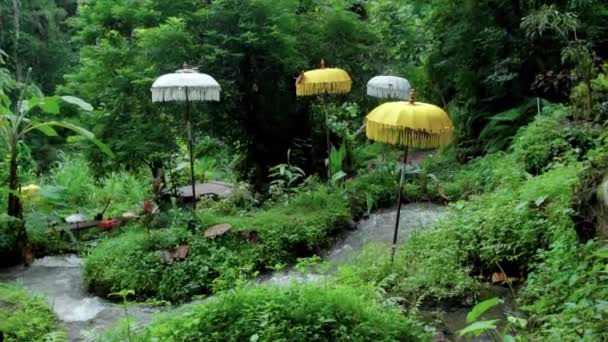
x,y
324,81
408,124
186,85
388,87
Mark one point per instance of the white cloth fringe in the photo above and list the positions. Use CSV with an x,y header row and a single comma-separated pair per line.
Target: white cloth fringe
x,y
185,85
389,87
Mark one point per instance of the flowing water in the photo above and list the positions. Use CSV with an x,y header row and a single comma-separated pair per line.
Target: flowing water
x,y
378,228
59,278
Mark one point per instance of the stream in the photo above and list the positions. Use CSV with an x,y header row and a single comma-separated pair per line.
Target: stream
x,y
59,278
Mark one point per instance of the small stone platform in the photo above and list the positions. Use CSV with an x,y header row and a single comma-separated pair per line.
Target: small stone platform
x,y
211,188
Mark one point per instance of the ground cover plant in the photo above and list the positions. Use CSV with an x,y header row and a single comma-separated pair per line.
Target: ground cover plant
x,y
257,242
291,313
25,317
523,226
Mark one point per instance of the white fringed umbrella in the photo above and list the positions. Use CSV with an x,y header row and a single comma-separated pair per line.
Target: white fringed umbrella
x,y
186,85
389,87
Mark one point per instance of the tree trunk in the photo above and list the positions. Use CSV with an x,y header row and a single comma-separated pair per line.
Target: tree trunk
x,y
589,97
16,14
14,205
15,210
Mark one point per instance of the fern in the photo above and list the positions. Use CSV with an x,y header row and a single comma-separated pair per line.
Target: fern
x,y
500,129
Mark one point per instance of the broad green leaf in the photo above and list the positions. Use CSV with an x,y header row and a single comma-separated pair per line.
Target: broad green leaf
x,y
45,129
78,102
480,309
602,252
85,133
4,110
508,338
338,176
48,104
478,328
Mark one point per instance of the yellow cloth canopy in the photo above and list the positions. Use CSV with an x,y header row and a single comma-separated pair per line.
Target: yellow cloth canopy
x,y
31,188
323,81
414,124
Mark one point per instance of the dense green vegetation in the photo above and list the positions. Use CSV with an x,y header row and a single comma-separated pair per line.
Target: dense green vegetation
x,y
525,179
27,318
297,313
512,222
282,233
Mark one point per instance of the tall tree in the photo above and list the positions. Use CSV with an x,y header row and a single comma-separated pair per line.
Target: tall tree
x,y
37,35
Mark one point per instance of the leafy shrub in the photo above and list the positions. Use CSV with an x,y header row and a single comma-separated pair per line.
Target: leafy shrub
x,y
567,291
427,267
71,187
378,184
27,318
284,232
294,313
552,140
498,132
443,178
504,229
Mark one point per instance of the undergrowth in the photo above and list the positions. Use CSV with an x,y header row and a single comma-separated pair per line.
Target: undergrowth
x,y
292,313
27,318
515,216
258,241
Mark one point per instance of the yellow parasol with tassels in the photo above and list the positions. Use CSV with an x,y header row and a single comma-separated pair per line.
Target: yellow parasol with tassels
x,y
324,81
408,124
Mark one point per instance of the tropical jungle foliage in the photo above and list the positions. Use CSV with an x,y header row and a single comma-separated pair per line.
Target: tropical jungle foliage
x,y
27,318
525,84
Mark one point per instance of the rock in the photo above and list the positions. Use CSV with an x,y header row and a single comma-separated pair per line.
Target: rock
x,y
165,257
352,225
181,252
217,230
249,235
498,277
178,254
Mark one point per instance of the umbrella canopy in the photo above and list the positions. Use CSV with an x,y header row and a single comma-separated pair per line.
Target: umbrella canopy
x,y
409,124
323,81
388,87
31,188
185,85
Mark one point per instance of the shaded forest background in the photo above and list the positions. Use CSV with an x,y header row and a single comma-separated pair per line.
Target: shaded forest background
x,y
487,62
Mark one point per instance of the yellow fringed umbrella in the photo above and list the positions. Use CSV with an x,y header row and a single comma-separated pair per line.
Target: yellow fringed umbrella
x,y
323,81
408,124
320,82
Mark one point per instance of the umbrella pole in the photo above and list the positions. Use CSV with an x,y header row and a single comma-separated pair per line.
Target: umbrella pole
x,y
190,148
399,191
328,145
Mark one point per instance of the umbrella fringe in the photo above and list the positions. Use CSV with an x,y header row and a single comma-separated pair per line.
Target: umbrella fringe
x,y
308,89
161,94
406,136
393,93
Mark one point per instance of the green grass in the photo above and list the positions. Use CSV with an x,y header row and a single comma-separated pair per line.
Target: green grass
x,y
27,318
293,313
